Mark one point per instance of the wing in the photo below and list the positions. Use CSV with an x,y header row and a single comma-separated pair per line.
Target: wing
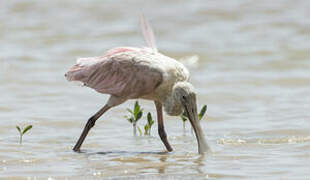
x,y
148,33
119,75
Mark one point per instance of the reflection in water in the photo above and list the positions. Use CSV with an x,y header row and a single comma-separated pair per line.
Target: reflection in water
x,y
162,159
164,163
126,152
145,161
199,162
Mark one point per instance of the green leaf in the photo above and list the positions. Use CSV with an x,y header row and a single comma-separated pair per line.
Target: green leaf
x,y
146,129
149,116
27,129
139,115
184,116
136,109
129,110
140,131
130,119
151,123
18,128
202,112
150,119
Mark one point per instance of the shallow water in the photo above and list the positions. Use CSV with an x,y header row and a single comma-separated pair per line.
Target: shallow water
x,y
252,72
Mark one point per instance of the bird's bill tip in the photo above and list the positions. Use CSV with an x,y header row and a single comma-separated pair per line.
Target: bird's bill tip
x,y
191,110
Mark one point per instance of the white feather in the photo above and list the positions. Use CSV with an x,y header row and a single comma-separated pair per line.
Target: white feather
x,y
148,33
87,61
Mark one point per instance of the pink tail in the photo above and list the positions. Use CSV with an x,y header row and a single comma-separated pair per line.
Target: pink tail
x,y
75,73
81,70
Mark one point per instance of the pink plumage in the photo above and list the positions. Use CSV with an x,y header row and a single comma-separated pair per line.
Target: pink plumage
x,y
121,72
129,73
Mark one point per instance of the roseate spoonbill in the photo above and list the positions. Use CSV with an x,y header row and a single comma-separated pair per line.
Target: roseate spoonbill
x,y
130,73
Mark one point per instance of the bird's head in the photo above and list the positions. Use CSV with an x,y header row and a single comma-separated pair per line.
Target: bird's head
x,y
185,94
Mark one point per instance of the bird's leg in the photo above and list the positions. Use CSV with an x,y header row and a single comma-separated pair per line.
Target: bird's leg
x,y
90,123
161,128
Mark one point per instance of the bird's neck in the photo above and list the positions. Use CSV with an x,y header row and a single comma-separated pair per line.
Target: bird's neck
x,y
172,105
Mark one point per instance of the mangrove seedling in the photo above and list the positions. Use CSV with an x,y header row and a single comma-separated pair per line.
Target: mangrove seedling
x,y
134,117
22,132
148,126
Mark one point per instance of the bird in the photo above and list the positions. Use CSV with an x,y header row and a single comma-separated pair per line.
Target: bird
x,y
127,73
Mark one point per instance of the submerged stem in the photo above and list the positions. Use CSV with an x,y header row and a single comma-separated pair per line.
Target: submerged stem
x,y
20,138
134,129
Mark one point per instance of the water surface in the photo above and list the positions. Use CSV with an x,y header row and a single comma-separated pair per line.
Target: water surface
x,y
249,61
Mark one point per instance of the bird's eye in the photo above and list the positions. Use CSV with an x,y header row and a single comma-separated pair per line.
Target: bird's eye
x,y
183,97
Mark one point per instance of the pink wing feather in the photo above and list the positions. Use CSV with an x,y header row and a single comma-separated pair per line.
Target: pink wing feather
x,y
117,73
148,33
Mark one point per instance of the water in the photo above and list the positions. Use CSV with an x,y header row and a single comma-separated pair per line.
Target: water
x,y
252,72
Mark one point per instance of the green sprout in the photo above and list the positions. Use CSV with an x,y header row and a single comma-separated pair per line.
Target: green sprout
x,y
22,132
140,131
148,126
202,112
134,117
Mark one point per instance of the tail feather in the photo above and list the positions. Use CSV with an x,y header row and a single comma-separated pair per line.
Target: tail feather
x,y
80,71
75,73
148,33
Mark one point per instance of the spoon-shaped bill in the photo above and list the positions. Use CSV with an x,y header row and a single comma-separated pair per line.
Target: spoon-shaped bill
x,y
191,110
